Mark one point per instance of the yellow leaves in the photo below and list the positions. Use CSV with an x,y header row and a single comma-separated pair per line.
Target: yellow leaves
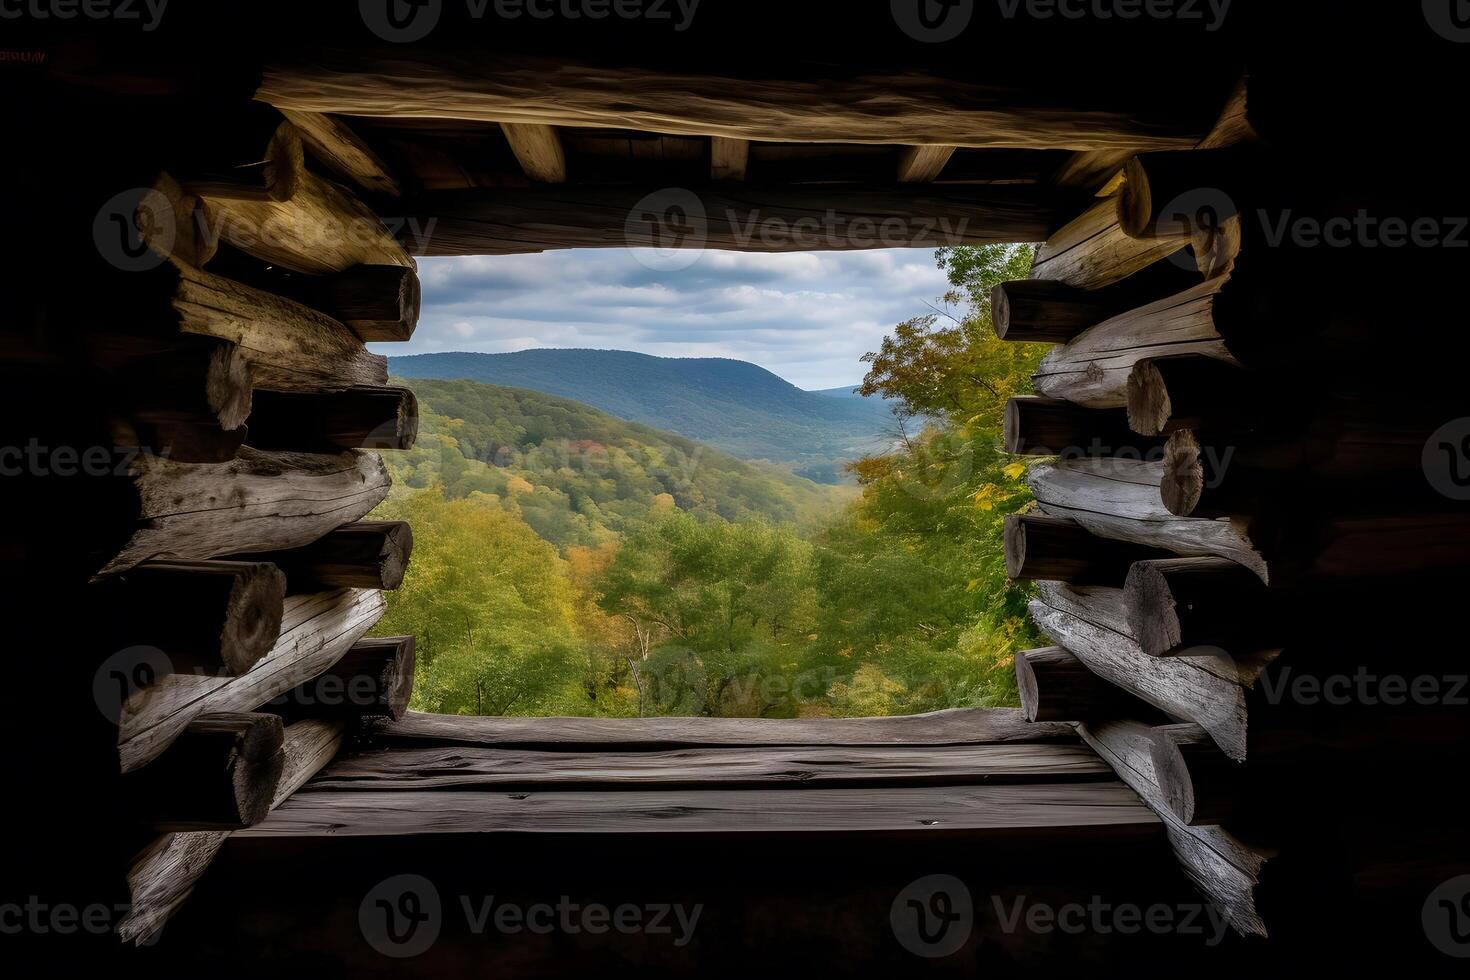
x,y
972,585
811,636
987,496
1014,470
516,484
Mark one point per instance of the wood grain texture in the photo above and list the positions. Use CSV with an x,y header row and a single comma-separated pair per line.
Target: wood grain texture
x,y
538,150
715,768
1071,808
1115,498
921,164
343,152
1224,868
728,158
904,106
315,632
289,346
257,502
957,726
1092,251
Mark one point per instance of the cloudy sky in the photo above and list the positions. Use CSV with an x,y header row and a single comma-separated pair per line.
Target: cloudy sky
x,y
807,316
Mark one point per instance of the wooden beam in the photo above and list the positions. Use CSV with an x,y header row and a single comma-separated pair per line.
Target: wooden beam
x,y
1050,311
316,630
362,555
205,616
771,768
1198,783
1181,391
256,502
911,104
343,152
361,417
1182,195
220,773
1041,547
1093,251
182,397
273,173
922,164
1224,868
1048,811
374,679
1178,603
1092,170
376,302
1056,686
755,218
728,158
1036,426
538,150
958,726
163,876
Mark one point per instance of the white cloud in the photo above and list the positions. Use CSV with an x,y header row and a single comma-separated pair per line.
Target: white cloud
x,y
807,316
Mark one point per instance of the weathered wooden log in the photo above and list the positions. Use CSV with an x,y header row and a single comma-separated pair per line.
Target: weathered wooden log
x,y
1056,686
220,773
256,502
1224,868
163,876
377,302
874,100
1056,548
1206,686
538,150
921,164
1119,499
1050,311
319,229
206,617
1185,391
1092,251
186,398
361,417
343,152
363,555
374,679
1180,195
269,167
1198,783
316,631
1194,482
753,217
1178,603
1036,426
1093,369
288,345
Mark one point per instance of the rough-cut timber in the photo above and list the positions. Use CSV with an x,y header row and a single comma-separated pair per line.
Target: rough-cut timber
x,y
1092,251
1182,391
319,229
316,631
1225,869
374,679
272,175
205,616
1115,498
175,223
921,164
1062,811
257,502
958,726
1177,603
343,152
163,876
1037,426
1198,783
772,768
290,346
377,302
905,105
1056,686
363,555
1093,369
360,417
186,398
221,773
1060,549
538,150
750,217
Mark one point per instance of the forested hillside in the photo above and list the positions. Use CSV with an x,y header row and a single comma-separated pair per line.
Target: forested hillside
x,y
732,405
683,582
